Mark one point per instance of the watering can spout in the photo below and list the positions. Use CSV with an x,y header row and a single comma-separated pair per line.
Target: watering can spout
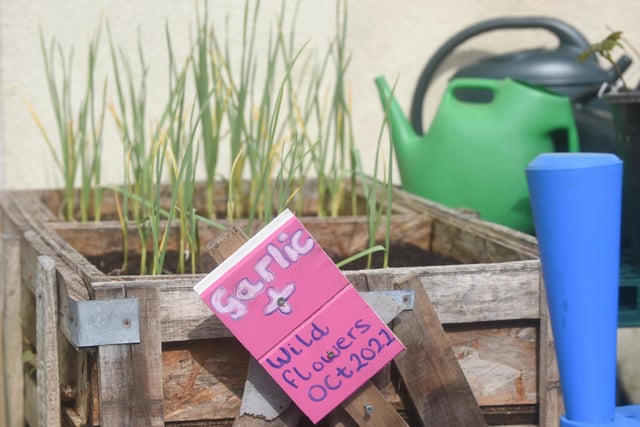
x,y
402,133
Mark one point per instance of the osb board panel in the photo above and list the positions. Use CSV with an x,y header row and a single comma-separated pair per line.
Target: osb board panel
x,y
203,380
499,361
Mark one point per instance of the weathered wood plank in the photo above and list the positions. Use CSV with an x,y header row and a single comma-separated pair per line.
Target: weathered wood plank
x,y
344,236
70,418
549,391
3,285
54,199
12,377
516,245
229,241
368,407
472,292
35,217
130,375
183,314
429,368
340,418
47,346
460,294
30,399
73,365
33,245
289,417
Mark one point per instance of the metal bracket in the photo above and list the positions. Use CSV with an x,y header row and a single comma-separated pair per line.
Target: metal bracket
x,y
104,322
405,299
388,304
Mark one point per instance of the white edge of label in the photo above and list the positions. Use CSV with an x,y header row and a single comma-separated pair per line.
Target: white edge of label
x,y
242,251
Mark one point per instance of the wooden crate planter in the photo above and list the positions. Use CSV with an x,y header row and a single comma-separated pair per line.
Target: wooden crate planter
x,y
188,371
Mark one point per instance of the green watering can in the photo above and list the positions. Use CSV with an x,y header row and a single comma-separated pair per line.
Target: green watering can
x,y
475,153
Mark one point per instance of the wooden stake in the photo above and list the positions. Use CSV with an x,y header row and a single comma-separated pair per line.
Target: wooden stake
x,y
130,375
47,345
10,324
429,368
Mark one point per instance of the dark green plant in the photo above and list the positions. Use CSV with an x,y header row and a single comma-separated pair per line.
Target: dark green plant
x,y
283,117
605,49
79,130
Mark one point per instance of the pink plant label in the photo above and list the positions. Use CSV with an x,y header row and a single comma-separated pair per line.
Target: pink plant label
x,y
332,354
298,315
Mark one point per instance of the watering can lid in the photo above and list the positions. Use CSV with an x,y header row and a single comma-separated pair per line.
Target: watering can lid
x,y
566,161
540,66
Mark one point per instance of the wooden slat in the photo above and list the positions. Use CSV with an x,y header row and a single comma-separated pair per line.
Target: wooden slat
x,y
54,199
33,246
3,285
474,292
35,216
429,368
502,240
130,375
460,294
340,418
344,235
73,365
289,417
183,314
226,244
551,405
368,407
30,399
70,418
12,377
47,347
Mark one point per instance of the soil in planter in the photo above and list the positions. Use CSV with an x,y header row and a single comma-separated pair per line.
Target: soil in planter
x,y
401,255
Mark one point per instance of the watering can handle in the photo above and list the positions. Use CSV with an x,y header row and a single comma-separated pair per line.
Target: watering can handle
x,y
470,83
567,35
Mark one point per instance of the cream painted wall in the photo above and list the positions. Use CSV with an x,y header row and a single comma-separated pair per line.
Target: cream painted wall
x,y
394,38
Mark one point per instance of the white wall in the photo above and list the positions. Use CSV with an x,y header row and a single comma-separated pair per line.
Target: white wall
x,y
394,38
